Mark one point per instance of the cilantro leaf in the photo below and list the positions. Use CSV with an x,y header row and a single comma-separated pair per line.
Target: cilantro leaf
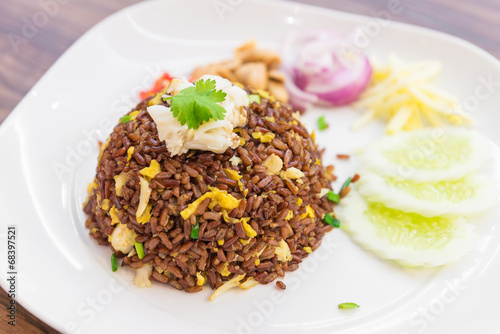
x,y
195,105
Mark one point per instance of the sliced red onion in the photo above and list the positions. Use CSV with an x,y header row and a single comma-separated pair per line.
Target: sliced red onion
x,y
321,68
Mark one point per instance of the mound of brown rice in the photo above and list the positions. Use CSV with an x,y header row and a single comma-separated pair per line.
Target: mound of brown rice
x,y
258,207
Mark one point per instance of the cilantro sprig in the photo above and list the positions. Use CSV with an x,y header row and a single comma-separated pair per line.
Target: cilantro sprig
x,y
198,104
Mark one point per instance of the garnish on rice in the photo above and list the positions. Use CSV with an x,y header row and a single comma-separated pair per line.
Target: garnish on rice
x,y
198,104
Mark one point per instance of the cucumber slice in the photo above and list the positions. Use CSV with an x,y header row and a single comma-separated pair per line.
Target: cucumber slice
x,y
407,238
427,155
467,196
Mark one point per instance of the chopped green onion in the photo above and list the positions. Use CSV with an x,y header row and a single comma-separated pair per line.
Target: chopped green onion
x,y
114,265
139,248
254,98
330,220
333,197
322,124
347,306
346,183
125,119
195,229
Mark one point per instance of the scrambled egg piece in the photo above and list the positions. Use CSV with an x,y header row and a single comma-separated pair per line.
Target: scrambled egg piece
x,y
105,204
308,250
232,174
98,199
92,185
228,219
283,251
157,99
200,279
133,115
264,137
113,213
151,171
265,94
217,196
249,231
225,272
145,216
130,151
309,213
123,239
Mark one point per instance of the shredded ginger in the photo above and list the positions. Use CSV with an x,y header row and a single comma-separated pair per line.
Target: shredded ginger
x,y
403,94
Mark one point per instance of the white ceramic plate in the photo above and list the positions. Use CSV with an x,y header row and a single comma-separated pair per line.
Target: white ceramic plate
x,y
49,151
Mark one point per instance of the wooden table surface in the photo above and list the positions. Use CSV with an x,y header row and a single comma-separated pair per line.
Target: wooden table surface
x,y
476,21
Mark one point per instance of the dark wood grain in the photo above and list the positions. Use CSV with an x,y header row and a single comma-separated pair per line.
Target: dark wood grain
x,y
475,21
21,68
